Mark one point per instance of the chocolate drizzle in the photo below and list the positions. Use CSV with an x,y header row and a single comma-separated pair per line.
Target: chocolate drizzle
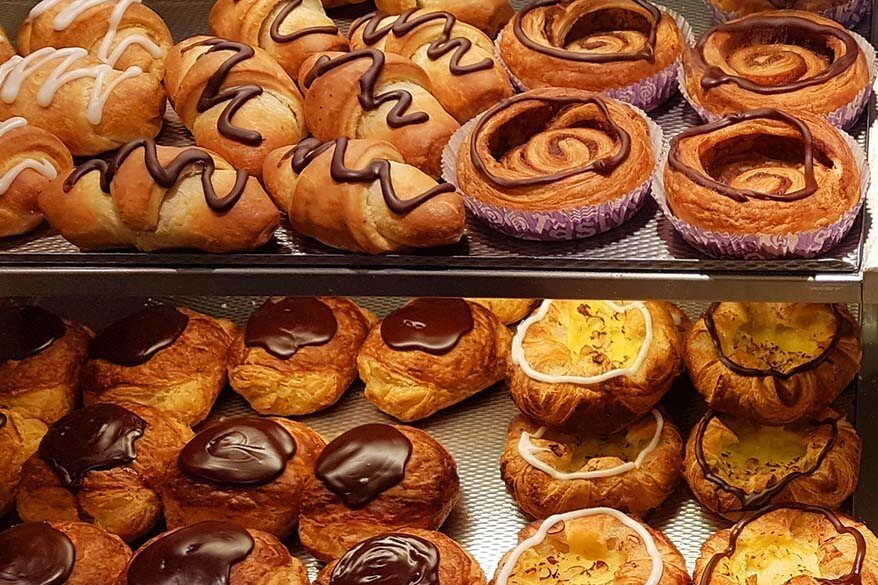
x,y
604,165
438,48
399,115
241,451
26,331
282,327
164,176
202,554
435,326
755,501
647,53
135,339
282,15
710,325
742,195
714,76
97,437
361,464
35,554
854,577
3,420
389,559
378,169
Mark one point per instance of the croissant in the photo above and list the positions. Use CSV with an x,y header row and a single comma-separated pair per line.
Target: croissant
x,y
29,159
91,107
457,57
6,50
157,201
370,94
359,195
120,33
288,30
487,15
235,99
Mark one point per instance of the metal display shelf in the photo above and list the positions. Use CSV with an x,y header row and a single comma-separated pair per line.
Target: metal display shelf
x,y
643,258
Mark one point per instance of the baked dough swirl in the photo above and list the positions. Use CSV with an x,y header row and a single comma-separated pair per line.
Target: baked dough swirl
x,y
6,50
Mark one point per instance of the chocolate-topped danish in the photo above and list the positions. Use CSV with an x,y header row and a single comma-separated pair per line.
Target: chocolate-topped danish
x,y
773,363
247,470
103,464
373,479
788,59
173,359
41,356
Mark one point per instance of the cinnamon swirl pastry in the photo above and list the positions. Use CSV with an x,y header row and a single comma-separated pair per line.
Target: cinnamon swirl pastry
x,y
595,45
846,12
787,59
556,164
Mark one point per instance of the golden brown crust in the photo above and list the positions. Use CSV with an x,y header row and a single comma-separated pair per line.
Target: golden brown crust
x,y
487,15
183,379
313,378
770,399
6,49
736,450
788,546
19,439
456,565
100,555
509,311
774,57
124,500
636,491
46,385
607,406
413,385
273,507
423,499
552,25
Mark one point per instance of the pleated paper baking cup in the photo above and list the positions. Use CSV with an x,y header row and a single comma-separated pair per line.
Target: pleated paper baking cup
x,y
844,117
646,94
805,244
551,225
848,14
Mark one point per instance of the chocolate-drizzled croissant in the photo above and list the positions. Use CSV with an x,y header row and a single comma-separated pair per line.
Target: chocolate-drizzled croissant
x,y
235,99
359,195
160,197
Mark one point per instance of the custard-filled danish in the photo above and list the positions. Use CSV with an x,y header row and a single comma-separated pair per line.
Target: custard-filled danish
x,y
247,470
19,439
773,363
373,479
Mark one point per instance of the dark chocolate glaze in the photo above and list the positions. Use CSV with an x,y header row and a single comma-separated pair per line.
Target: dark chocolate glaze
x,y
282,327
604,165
97,437
27,330
398,116
35,554
361,464
754,501
647,53
378,169
135,339
710,325
3,420
435,326
742,195
165,177
441,46
240,451
282,15
200,554
389,559
714,76
852,578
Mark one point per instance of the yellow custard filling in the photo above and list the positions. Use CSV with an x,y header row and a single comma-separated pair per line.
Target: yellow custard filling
x,y
570,453
773,558
574,557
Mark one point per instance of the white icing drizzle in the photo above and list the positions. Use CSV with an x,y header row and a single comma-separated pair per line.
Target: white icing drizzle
x,y
76,8
14,72
520,359
528,452
43,167
11,124
655,574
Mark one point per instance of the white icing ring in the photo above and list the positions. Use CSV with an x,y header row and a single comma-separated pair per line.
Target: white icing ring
x,y
519,358
528,452
658,566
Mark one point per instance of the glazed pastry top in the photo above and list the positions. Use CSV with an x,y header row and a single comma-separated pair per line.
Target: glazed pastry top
x,y
26,331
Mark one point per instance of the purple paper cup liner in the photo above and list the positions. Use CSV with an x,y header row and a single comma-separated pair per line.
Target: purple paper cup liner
x,y
804,244
844,117
848,14
646,94
557,224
